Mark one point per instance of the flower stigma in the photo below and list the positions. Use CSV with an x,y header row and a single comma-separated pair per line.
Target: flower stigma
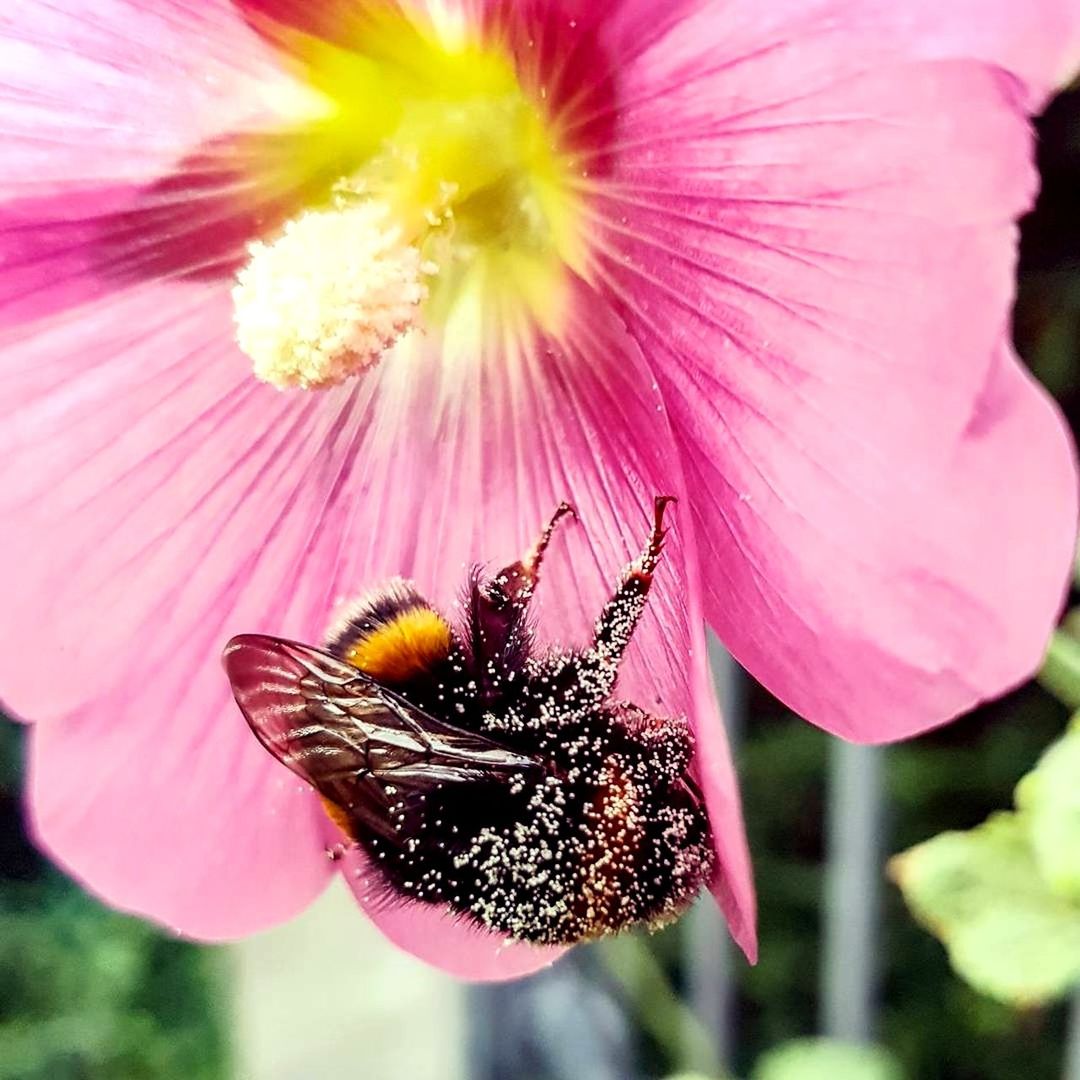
x,y
456,219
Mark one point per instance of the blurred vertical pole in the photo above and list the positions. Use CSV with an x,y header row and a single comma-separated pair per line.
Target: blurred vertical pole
x,y
708,957
486,1021
1072,1041
560,1024
853,873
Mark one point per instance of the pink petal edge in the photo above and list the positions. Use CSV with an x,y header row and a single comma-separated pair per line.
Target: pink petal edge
x,y
938,595
159,801
445,941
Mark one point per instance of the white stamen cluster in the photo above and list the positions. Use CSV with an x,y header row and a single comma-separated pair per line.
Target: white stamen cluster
x,y
328,297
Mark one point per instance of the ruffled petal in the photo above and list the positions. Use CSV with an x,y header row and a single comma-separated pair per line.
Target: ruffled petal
x,y
819,258
1037,42
879,600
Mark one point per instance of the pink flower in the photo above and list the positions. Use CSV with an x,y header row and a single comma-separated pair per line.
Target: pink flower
x,y
756,255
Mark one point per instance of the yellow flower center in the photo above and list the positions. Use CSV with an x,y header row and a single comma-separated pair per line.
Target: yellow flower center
x,y
457,218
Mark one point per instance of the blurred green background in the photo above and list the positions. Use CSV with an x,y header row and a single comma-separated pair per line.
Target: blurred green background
x,y
87,994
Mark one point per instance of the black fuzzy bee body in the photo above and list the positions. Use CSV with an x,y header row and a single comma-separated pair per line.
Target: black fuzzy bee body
x,y
507,786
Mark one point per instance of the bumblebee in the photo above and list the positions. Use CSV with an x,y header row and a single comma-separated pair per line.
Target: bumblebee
x,y
480,773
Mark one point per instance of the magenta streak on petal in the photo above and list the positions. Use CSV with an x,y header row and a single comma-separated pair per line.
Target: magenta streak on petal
x,y
191,223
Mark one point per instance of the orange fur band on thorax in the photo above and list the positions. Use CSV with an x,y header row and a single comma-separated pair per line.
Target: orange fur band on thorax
x,y
403,647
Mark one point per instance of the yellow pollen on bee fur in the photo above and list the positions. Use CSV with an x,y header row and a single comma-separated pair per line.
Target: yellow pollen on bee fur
x,y
329,296
403,647
618,832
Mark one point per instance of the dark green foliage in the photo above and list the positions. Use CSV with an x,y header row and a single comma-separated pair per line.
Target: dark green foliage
x,y
938,1027
85,993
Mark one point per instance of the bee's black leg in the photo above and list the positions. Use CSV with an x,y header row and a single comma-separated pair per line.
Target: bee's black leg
x,y
498,632
518,580
621,613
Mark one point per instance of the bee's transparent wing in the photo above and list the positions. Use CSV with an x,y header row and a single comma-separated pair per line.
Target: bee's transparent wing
x,y
365,749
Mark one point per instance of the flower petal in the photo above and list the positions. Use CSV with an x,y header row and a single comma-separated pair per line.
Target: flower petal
x,y
819,259
139,427
75,247
114,90
117,172
566,52
1038,42
879,600
817,242
453,945
559,27
158,800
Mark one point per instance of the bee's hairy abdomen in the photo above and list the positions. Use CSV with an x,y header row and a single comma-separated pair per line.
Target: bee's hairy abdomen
x,y
607,837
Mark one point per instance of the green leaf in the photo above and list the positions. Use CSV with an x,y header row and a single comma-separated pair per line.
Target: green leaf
x,y
1049,796
1060,672
1007,933
827,1059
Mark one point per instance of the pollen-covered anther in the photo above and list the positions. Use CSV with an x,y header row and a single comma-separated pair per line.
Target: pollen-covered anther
x,y
327,298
